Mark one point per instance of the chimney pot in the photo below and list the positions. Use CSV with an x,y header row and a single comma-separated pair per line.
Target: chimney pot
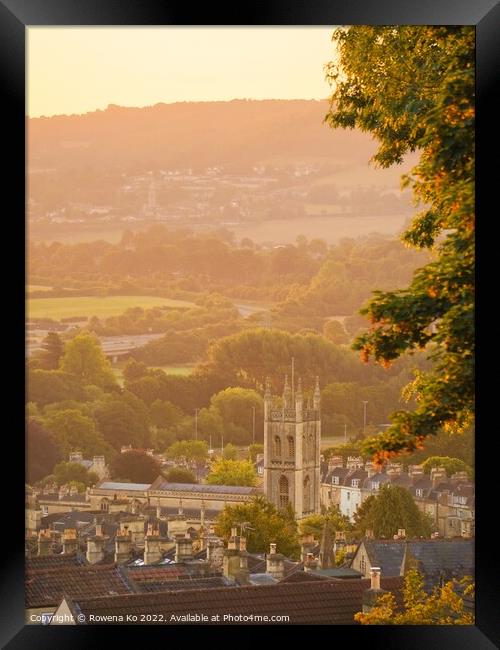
x,y
272,549
375,578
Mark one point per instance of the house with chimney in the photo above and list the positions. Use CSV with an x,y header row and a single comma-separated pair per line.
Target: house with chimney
x,y
438,560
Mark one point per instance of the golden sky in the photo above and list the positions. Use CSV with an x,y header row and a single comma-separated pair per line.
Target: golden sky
x,y
80,69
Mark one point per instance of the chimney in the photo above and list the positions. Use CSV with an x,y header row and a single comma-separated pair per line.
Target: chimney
x,y
275,563
335,461
70,541
242,575
183,549
152,546
311,562
95,545
307,543
415,471
215,554
371,595
375,578
401,533
123,545
438,474
234,561
44,543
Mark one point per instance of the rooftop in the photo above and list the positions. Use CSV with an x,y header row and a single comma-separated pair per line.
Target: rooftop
x,y
324,602
162,485
113,485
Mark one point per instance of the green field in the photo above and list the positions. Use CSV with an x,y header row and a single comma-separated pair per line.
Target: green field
x,y
101,307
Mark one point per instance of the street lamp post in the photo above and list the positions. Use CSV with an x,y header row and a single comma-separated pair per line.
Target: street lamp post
x,y
365,402
253,424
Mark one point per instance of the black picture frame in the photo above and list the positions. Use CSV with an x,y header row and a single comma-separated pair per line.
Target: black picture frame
x,y
15,16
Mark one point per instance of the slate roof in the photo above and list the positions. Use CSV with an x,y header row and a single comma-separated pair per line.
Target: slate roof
x,y
304,576
403,480
47,586
437,559
379,477
113,485
211,582
358,473
386,554
161,484
341,472
55,561
317,602
343,573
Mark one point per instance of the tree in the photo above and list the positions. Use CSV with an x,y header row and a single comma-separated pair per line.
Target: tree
x,y
391,509
84,359
180,475
164,414
134,370
451,465
65,473
254,450
47,386
42,453
264,525
445,605
52,351
71,430
123,419
230,452
189,450
232,472
235,407
334,332
412,87
136,466
314,524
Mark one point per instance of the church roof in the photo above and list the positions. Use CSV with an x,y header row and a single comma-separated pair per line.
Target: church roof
x,y
162,485
131,487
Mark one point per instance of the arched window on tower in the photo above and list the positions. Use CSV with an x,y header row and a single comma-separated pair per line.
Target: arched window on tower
x,y
277,446
283,492
291,447
306,495
310,447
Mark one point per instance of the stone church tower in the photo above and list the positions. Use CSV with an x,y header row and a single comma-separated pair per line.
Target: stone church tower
x,y
292,437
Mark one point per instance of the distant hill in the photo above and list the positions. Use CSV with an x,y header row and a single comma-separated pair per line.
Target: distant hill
x,y
194,134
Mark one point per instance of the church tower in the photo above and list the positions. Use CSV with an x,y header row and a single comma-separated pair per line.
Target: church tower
x,y
292,435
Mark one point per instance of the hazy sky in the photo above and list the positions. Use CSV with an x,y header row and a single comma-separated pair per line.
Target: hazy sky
x,y
79,69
